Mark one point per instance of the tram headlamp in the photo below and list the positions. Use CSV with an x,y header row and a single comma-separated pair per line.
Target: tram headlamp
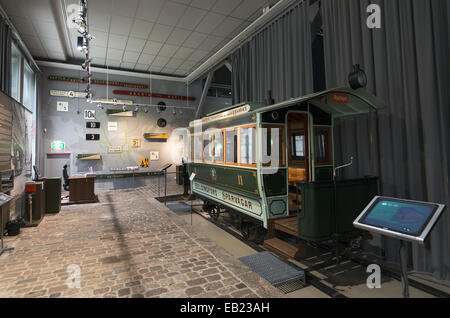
x,y
357,78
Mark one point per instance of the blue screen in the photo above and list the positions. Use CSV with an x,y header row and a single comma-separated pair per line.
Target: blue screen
x,y
404,217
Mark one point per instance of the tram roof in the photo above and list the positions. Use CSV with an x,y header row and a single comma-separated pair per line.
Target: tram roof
x,y
338,102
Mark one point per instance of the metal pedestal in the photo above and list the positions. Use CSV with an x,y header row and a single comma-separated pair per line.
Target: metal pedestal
x,y
404,269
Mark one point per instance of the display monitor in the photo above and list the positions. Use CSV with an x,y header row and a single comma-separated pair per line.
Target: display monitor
x,y
403,219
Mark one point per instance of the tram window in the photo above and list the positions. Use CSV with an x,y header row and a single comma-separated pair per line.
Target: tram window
x,y
248,146
198,146
218,147
298,146
271,143
208,147
322,145
231,146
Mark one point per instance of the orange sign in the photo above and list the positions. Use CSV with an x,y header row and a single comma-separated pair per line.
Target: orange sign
x,y
340,98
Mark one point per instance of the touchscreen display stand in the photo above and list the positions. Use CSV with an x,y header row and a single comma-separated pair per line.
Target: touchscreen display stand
x,y
405,220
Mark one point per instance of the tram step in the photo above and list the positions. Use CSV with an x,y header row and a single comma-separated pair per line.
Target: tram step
x,y
284,249
287,225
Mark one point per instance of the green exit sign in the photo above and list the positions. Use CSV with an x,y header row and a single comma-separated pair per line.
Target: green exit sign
x,y
58,145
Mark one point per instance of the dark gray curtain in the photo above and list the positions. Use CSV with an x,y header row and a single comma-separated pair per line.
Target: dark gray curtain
x,y
407,64
275,59
5,57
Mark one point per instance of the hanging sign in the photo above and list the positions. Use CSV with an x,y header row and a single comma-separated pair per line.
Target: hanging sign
x,y
89,114
113,101
92,125
62,106
154,95
92,137
95,82
120,113
156,137
340,98
69,94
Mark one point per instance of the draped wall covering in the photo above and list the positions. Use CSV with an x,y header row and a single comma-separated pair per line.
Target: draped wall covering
x,y
407,64
278,58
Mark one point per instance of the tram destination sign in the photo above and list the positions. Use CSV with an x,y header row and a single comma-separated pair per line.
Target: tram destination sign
x,y
231,199
224,115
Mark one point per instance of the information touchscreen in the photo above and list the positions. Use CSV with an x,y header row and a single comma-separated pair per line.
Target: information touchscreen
x,y
401,218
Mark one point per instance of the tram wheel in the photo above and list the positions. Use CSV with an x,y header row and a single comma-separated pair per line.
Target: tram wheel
x,y
214,213
246,230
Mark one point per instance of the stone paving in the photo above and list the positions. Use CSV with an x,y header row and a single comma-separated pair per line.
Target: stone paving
x,y
127,245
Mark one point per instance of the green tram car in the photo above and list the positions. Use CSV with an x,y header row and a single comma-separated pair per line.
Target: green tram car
x,y
299,195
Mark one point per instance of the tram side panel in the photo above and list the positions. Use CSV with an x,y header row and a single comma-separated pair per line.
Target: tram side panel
x,y
234,188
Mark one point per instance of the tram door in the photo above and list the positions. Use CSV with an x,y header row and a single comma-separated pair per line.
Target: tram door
x,y
298,155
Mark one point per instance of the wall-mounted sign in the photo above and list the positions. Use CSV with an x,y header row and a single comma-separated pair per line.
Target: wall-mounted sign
x,y
156,137
92,137
95,82
340,98
154,95
92,125
69,94
228,114
120,113
89,114
136,143
112,126
115,149
58,145
62,106
113,101
144,163
154,155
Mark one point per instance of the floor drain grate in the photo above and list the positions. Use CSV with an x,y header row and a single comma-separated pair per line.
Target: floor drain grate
x,y
273,269
291,287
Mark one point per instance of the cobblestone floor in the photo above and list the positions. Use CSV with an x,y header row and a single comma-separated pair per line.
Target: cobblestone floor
x,y
127,245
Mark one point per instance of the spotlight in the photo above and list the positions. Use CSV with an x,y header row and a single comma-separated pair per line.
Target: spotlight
x,y
82,30
136,109
124,108
86,64
174,112
146,110
81,44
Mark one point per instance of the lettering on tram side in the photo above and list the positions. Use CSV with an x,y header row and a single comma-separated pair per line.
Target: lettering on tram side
x,y
251,206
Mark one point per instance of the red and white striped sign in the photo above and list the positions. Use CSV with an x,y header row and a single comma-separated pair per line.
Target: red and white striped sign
x,y
154,95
